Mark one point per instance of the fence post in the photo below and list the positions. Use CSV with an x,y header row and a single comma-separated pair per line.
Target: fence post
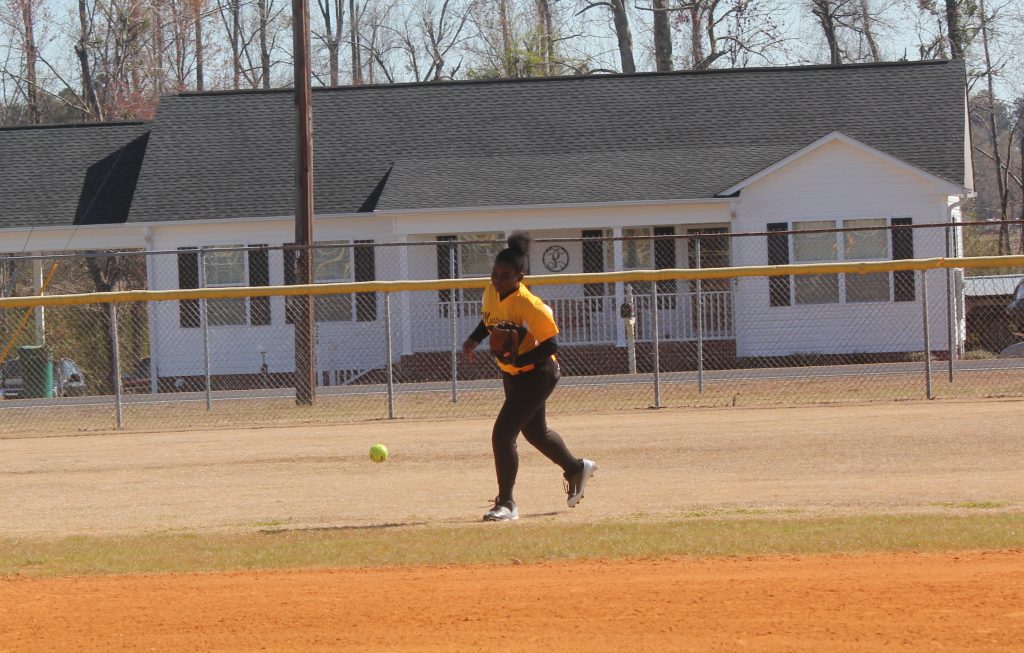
x,y
951,346
452,306
700,325
116,363
204,319
387,348
927,341
655,345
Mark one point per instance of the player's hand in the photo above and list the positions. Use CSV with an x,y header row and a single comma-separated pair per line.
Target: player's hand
x,y
469,349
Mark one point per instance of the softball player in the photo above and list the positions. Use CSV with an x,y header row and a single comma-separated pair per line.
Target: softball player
x,y
528,375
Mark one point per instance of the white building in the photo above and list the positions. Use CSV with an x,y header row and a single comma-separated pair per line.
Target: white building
x,y
776,150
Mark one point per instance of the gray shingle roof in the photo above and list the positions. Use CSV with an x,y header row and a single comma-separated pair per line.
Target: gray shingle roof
x,y
563,140
654,136
69,174
554,178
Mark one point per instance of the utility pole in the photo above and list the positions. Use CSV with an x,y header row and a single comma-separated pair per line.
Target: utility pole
x,y
305,319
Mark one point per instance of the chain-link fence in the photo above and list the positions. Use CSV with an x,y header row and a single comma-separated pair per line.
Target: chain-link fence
x,y
685,323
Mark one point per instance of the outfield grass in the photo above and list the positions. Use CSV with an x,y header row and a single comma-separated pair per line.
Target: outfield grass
x,y
269,546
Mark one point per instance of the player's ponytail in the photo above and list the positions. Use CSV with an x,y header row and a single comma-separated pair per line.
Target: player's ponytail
x,y
517,252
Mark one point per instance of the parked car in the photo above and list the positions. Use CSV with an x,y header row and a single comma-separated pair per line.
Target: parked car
x,y
1015,309
68,379
137,380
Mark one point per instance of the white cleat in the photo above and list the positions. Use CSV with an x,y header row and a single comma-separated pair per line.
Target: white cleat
x,y
502,511
576,483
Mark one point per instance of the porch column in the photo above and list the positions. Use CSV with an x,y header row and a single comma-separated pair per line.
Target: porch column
x,y
40,312
620,296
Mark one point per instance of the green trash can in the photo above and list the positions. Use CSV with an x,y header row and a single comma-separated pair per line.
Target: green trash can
x,y
36,372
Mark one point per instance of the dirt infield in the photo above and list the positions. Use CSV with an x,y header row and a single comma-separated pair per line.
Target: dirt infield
x,y
937,602
829,460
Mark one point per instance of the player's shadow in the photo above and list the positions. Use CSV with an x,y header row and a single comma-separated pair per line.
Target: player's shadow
x,y
327,529
534,515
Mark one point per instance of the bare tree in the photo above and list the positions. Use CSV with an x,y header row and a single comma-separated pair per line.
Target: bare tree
x,y
353,22
20,18
1002,187
198,10
732,29
263,7
867,29
231,15
332,13
830,15
85,19
955,30
546,30
662,36
956,26
28,16
620,21
442,29
379,43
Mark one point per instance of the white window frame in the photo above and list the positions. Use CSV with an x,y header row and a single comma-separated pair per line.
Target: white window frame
x,y
218,309
809,280
325,304
490,250
883,227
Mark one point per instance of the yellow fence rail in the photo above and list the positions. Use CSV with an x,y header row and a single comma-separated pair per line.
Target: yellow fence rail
x,y
856,267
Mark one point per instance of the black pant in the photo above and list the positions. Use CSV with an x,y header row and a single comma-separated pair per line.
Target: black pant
x,y
524,411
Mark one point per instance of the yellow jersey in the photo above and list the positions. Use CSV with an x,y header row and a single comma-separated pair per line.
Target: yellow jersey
x,y
525,309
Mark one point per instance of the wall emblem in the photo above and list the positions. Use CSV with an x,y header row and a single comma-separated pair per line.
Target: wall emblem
x,y
556,258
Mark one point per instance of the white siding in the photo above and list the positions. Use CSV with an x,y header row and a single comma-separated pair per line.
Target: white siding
x,y
835,182
236,349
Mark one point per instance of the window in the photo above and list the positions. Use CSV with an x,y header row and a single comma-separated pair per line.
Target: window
x,y
637,255
598,256
332,265
868,239
468,256
778,254
815,248
476,258
224,268
337,262
870,245
188,278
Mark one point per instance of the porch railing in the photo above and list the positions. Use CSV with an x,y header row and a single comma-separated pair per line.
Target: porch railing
x,y
596,320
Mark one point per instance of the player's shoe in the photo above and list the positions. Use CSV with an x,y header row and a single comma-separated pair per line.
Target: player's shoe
x,y
502,511
576,483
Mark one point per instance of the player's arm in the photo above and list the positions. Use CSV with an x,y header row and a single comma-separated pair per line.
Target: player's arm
x,y
542,326
474,339
539,353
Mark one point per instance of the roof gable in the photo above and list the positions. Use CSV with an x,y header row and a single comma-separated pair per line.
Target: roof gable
x,y
833,137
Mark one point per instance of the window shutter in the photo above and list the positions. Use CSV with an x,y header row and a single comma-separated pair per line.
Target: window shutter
x,y
902,248
778,254
289,280
665,257
188,277
445,255
365,270
259,275
593,260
